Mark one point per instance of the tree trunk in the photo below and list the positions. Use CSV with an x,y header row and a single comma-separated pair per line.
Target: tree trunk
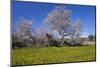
x,y
62,40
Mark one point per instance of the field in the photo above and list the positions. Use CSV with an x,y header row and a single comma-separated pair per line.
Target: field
x,y
45,55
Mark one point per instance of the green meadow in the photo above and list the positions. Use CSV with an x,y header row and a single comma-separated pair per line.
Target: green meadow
x,y
45,55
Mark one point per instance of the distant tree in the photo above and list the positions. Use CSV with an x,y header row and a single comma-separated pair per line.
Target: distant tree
x,y
59,19
76,29
91,37
76,32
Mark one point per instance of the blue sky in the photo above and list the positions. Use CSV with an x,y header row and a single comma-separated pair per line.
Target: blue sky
x,y
39,11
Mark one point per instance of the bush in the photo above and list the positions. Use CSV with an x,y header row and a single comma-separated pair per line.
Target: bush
x,y
54,43
18,45
75,43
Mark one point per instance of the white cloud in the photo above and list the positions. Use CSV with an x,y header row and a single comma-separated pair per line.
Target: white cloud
x,y
84,34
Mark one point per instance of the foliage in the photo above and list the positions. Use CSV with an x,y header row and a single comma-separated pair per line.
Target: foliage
x,y
23,36
91,37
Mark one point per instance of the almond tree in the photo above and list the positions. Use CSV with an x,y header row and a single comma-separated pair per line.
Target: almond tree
x,y
43,37
24,30
76,31
76,28
59,19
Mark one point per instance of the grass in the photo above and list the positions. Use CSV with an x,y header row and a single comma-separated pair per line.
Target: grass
x,y
45,55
